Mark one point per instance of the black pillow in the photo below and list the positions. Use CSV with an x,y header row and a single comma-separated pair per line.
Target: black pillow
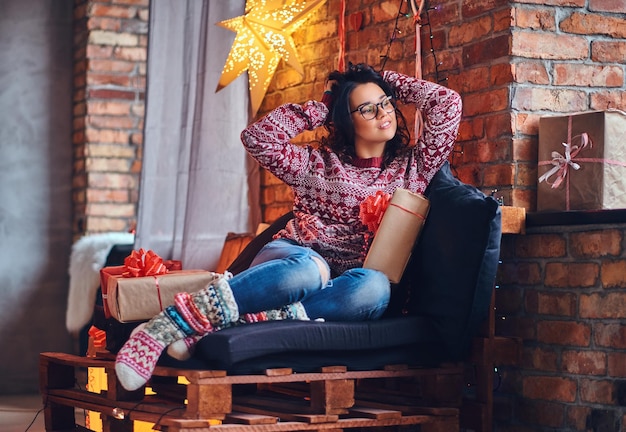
x,y
452,271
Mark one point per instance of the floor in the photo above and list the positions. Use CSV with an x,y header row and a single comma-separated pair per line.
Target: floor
x,y
22,414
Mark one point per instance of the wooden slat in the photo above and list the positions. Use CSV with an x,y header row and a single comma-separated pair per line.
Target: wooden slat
x,y
192,426
278,372
500,350
316,376
250,419
374,413
288,415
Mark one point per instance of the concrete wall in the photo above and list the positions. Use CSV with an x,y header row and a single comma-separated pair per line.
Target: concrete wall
x,y
35,185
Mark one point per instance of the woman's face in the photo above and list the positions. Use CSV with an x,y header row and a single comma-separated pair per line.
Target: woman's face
x,y
374,118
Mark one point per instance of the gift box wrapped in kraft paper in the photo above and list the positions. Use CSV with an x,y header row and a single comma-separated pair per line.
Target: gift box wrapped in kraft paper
x,y
399,228
582,161
129,299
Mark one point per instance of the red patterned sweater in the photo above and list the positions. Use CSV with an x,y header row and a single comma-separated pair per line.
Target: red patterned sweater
x,y
327,192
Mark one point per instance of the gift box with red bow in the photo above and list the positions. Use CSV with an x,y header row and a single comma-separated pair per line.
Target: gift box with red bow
x,y
582,161
396,223
145,285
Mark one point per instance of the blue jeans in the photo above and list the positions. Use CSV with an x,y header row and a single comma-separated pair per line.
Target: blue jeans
x,y
284,272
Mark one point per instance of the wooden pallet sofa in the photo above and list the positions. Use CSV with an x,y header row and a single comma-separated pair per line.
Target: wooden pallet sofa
x,y
408,368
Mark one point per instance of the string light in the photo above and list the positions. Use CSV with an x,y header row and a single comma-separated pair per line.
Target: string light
x,y
424,9
396,30
431,38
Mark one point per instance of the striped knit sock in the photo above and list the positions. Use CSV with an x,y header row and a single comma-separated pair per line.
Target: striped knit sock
x,y
184,348
192,314
294,311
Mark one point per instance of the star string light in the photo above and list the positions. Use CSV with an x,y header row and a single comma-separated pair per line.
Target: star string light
x,y
263,40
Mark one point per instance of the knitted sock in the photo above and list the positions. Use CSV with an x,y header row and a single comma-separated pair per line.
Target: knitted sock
x,y
183,349
192,314
294,311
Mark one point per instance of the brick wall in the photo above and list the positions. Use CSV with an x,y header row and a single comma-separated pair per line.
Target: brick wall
x,y
562,287
563,291
110,39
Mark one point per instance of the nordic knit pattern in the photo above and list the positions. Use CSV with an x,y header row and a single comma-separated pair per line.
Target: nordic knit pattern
x,y
183,349
199,313
327,192
294,311
181,326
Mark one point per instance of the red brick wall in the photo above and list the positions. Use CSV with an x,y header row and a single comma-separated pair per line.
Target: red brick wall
x,y
110,39
563,291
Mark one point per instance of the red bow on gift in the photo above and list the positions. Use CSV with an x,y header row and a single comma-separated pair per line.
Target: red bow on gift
x,y
143,263
372,209
98,336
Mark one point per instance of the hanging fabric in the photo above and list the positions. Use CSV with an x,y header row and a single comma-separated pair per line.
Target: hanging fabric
x,y
195,173
341,63
417,18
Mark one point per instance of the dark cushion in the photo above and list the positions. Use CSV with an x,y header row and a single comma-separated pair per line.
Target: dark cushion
x,y
308,345
446,290
452,271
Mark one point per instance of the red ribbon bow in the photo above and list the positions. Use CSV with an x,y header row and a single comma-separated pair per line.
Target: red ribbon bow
x,y
372,209
98,336
143,263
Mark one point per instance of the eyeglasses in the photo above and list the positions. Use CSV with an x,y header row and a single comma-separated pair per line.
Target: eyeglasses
x,y
369,110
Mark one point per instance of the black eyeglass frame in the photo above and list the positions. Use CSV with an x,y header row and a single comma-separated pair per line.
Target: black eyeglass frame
x,y
378,106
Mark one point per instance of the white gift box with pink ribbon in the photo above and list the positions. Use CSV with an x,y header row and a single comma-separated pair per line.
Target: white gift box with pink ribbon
x,y
582,161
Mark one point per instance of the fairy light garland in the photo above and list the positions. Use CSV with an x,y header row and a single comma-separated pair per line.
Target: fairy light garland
x,y
428,8
417,11
396,31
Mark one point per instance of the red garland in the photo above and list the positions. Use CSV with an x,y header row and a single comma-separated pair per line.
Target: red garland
x,y
372,209
143,263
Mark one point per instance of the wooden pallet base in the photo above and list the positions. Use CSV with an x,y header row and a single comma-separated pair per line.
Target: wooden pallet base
x,y
279,400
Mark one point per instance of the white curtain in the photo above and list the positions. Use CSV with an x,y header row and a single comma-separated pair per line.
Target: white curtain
x,y
197,182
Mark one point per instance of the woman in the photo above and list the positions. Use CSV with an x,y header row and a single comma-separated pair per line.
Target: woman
x,y
313,268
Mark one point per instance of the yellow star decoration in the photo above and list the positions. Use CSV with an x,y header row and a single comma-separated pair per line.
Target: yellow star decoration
x,y
263,39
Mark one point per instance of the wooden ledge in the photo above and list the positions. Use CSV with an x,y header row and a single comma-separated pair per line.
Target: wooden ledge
x,y
577,217
513,220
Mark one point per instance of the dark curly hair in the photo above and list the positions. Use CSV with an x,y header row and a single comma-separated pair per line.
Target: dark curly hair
x,y
339,122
